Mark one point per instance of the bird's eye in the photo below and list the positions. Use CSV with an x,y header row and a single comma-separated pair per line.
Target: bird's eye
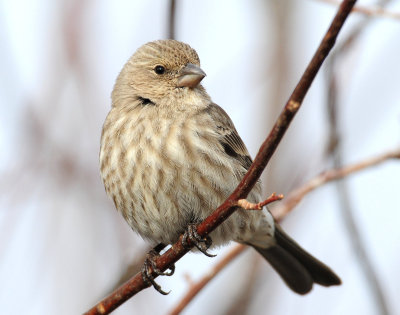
x,y
159,69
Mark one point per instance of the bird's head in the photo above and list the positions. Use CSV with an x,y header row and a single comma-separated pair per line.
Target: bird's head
x,y
159,71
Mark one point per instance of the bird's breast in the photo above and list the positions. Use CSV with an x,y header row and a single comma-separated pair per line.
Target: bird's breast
x,y
163,172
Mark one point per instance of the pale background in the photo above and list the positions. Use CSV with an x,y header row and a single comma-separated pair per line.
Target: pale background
x,y
62,244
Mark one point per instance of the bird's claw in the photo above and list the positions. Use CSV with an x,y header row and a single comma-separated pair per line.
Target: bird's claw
x,y
149,267
202,244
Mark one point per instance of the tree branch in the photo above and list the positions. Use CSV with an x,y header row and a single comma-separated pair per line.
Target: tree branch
x,y
377,11
284,207
136,283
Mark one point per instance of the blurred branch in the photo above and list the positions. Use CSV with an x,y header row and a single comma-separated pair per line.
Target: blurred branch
x,y
196,287
171,19
242,300
331,67
335,151
367,269
377,11
283,208
134,267
298,194
163,262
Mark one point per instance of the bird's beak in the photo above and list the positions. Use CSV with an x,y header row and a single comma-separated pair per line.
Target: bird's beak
x,y
190,76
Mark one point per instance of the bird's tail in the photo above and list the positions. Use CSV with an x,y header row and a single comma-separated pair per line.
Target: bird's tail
x,y
297,268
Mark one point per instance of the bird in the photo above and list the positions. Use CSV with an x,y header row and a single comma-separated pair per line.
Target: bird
x,y
169,156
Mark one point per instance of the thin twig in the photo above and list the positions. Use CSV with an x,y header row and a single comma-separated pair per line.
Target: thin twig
x,y
196,287
171,19
246,205
298,194
374,11
163,262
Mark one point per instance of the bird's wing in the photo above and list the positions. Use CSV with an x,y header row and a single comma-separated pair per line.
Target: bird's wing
x,y
228,137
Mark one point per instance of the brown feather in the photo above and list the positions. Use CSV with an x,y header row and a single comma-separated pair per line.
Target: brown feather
x,y
229,138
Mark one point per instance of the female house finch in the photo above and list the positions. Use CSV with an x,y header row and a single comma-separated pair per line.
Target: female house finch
x,y
169,156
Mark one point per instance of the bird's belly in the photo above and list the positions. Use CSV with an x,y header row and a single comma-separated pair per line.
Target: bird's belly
x,y
163,201
164,206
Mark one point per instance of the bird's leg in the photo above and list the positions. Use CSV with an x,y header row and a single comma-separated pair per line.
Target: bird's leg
x,y
202,244
246,205
149,267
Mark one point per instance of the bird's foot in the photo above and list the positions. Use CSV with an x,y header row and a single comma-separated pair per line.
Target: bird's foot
x,y
149,267
246,205
202,244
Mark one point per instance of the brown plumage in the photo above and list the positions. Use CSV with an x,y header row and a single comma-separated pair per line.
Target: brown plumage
x,y
169,156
